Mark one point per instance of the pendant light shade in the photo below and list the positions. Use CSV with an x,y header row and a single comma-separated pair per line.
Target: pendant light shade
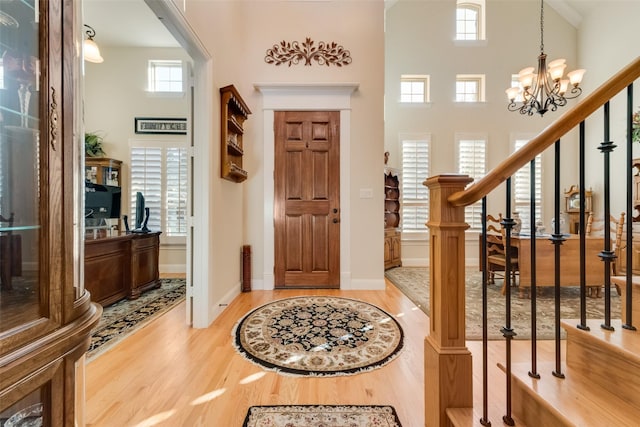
x,y
90,49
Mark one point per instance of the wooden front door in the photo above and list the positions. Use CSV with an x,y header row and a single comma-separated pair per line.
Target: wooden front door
x,y
307,199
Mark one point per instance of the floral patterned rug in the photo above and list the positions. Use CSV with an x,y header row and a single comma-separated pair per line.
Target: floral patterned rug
x,y
318,336
321,416
414,283
126,316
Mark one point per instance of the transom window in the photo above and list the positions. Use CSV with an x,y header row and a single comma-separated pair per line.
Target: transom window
x,y
414,88
470,88
472,161
414,195
470,20
165,76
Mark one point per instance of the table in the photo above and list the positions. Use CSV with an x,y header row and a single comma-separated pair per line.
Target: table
x,y
569,261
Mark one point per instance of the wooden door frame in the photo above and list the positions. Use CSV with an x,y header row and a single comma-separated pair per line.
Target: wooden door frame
x,y
307,97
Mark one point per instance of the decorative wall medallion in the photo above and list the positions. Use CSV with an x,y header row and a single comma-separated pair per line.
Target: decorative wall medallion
x,y
292,53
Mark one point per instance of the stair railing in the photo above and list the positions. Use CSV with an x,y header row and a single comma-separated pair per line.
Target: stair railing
x,y
447,359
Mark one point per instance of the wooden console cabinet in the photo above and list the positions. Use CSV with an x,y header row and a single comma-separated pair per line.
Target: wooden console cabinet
x,y
121,267
46,316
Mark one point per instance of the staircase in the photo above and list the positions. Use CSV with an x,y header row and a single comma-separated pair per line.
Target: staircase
x,y
600,369
601,385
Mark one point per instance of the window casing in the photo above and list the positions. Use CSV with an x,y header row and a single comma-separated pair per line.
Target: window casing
x,y
414,195
470,88
522,189
159,172
166,76
472,162
470,20
414,89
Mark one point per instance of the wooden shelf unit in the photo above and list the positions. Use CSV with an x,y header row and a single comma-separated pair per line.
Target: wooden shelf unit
x,y
392,236
233,114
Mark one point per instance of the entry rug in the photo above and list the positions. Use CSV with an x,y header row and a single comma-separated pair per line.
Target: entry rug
x,y
318,336
127,316
321,416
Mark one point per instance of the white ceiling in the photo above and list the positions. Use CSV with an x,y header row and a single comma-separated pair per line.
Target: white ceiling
x,y
132,23
126,23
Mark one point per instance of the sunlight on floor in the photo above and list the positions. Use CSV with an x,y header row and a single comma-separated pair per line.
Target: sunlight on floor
x,y
252,378
208,397
156,419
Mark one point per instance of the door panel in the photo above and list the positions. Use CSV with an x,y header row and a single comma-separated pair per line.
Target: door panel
x,y
307,199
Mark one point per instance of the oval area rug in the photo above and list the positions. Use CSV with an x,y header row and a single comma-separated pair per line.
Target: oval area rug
x,y
319,336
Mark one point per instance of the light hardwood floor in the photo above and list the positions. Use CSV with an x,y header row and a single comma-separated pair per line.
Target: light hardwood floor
x,y
168,374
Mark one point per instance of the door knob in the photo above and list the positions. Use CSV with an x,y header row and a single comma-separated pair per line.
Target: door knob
x,y
335,210
335,220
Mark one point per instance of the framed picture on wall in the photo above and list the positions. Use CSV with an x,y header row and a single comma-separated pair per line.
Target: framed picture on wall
x,y
156,125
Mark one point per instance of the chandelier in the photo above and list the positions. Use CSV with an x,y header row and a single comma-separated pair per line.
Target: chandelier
x,y
545,89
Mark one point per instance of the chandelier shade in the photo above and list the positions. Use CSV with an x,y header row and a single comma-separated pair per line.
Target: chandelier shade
x,y
543,89
90,49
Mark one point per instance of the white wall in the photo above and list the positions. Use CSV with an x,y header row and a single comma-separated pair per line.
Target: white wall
x,y
115,93
608,41
237,34
420,40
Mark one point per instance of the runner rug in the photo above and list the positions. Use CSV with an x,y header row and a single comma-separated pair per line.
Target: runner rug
x,y
121,319
414,283
318,336
321,416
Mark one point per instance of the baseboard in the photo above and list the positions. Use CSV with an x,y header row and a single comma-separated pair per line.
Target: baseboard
x,y
415,262
219,306
366,285
172,268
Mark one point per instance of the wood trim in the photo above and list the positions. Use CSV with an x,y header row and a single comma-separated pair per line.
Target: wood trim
x,y
548,136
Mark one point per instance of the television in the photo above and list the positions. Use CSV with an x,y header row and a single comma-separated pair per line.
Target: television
x,y
101,201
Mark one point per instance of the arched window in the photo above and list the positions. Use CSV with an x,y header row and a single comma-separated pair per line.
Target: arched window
x,y
470,20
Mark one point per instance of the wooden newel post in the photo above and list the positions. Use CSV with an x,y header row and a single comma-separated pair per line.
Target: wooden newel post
x,y
447,361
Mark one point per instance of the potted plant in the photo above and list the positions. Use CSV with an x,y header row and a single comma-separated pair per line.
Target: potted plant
x,y
93,144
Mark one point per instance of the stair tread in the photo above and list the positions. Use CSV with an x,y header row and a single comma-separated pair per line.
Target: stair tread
x,y
620,340
575,399
468,417
621,280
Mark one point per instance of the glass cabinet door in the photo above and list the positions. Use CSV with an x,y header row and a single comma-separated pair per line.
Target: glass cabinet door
x,y
20,264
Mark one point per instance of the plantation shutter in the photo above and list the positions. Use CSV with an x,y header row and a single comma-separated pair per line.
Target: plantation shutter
x,y
176,192
522,189
472,162
146,177
414,195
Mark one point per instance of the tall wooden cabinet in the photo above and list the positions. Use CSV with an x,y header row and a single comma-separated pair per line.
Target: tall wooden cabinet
x,y
392,236
46,317
233,113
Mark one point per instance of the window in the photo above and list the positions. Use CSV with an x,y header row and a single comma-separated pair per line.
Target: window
x,y
414,195
1,73
515,82
470,20
414,88
159,172
470,88
522,189
165,76
472,162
